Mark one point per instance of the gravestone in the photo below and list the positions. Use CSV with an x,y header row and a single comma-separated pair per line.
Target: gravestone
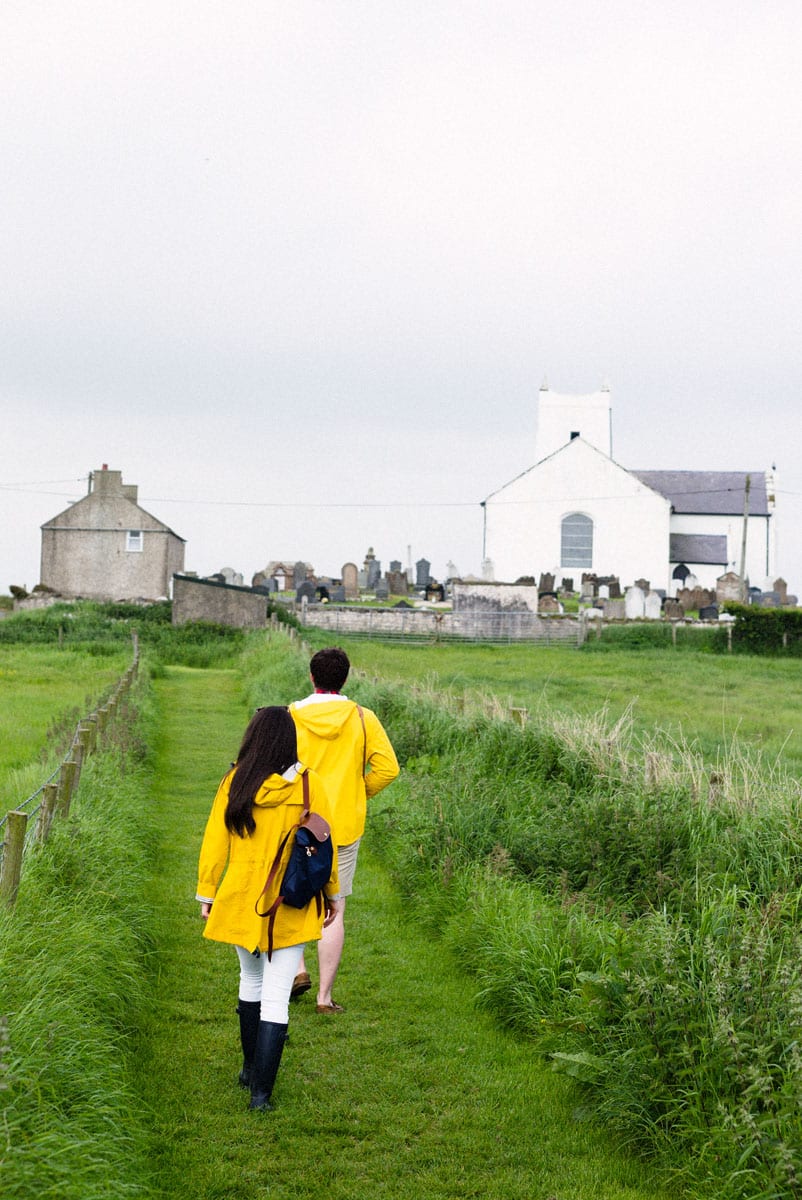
x,y
644,585
604,591
373,569
395,565
770,600
436,592
350,574
567,585
615,587
397,582
652,606
548,604
306,590
298,574
382,590
634,603
546,583
338,595
422,576
701,597
673,610
374,574
691,582
615,609
781,586
708,612
684,599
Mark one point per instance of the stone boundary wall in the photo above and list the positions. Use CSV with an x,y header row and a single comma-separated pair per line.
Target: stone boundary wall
x,y
221,603
431,624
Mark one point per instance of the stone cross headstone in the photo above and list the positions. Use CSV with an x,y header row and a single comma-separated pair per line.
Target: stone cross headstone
x,y
634,603
350,575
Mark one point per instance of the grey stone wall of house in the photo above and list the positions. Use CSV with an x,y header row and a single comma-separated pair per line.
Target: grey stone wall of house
x,y
430,623
222,603
88,550
493,597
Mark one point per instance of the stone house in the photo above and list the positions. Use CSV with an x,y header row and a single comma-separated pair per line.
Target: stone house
x,y
106,547
578,511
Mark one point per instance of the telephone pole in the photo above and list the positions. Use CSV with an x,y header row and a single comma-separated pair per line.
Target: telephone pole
x,y
747,486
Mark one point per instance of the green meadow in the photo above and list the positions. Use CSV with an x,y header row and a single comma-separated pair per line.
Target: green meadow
x,y
574,973
702,700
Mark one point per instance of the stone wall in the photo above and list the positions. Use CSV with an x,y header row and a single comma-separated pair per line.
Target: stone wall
x,y
222,603
431,624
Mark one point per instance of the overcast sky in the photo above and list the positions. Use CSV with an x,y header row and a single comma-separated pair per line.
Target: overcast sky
x,y
299,269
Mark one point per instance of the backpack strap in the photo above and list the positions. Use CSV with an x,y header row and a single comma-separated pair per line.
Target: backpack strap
x,y
270,913
364,740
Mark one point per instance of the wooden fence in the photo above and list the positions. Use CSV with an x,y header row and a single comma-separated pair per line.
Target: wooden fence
x,y
30,822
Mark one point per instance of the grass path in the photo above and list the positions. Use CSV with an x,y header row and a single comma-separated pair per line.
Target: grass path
x,y
409,1094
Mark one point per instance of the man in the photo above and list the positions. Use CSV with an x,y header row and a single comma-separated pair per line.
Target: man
x,y
349,749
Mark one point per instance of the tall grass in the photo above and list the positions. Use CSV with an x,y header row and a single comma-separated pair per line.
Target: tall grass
x,y
628,905
71,983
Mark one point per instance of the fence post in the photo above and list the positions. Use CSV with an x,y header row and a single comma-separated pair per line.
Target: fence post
x,y
46,811
16,824
66,786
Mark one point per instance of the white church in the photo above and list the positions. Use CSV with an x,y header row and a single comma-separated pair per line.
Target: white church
x,y
576,511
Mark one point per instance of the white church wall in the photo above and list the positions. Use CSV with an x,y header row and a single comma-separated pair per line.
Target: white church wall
x,y
560,417
759,544
523,521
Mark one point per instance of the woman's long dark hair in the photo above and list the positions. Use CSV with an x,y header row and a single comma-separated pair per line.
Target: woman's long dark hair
x,y
269,747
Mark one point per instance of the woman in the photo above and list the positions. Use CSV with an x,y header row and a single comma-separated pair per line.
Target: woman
x,y
257,803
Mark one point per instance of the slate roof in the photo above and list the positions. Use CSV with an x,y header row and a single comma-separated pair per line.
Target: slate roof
x,y
698,548
714,493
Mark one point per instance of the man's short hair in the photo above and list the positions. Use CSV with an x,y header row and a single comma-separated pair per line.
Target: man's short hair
x,y
329,668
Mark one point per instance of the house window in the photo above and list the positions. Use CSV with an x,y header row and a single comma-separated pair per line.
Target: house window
x,y
576,542
133,539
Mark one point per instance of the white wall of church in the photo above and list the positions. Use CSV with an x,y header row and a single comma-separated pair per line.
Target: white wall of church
x,y
760,564
523,520
560,417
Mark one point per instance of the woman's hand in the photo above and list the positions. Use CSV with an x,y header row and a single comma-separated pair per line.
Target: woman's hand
x,y
206,908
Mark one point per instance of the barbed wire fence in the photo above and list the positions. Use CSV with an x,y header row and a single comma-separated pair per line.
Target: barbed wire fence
x,y
29,823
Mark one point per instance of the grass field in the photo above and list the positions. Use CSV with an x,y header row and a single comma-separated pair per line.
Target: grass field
x,y
705,700
44,692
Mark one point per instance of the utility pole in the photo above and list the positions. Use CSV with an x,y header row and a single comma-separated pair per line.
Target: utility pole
x,y
747,486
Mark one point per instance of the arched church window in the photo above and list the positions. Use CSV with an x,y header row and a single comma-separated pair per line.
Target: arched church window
x,y
681,572
576,542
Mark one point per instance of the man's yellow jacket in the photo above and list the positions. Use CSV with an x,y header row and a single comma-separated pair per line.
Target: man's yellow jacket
x,y
334,742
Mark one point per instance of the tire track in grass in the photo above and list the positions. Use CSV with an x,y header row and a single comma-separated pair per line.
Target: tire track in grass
x,y
410,1093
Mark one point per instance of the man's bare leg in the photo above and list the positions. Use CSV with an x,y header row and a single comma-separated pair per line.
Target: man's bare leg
x,y
329,953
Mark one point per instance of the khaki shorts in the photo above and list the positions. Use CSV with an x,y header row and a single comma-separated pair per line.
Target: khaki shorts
x,y
346,865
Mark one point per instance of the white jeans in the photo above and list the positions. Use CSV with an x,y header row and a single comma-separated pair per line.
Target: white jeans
x,y
270,982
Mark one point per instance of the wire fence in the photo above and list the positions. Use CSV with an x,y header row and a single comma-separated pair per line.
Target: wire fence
x,y
29,823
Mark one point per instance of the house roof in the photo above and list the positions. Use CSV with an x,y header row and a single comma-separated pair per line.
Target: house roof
x,y
719,493
698,548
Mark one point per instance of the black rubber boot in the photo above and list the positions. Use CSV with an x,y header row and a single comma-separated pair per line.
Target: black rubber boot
x,y
248,1030
269,1045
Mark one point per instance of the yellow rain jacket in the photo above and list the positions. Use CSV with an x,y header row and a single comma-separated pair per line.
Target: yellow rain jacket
x,y
332,741
247,861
